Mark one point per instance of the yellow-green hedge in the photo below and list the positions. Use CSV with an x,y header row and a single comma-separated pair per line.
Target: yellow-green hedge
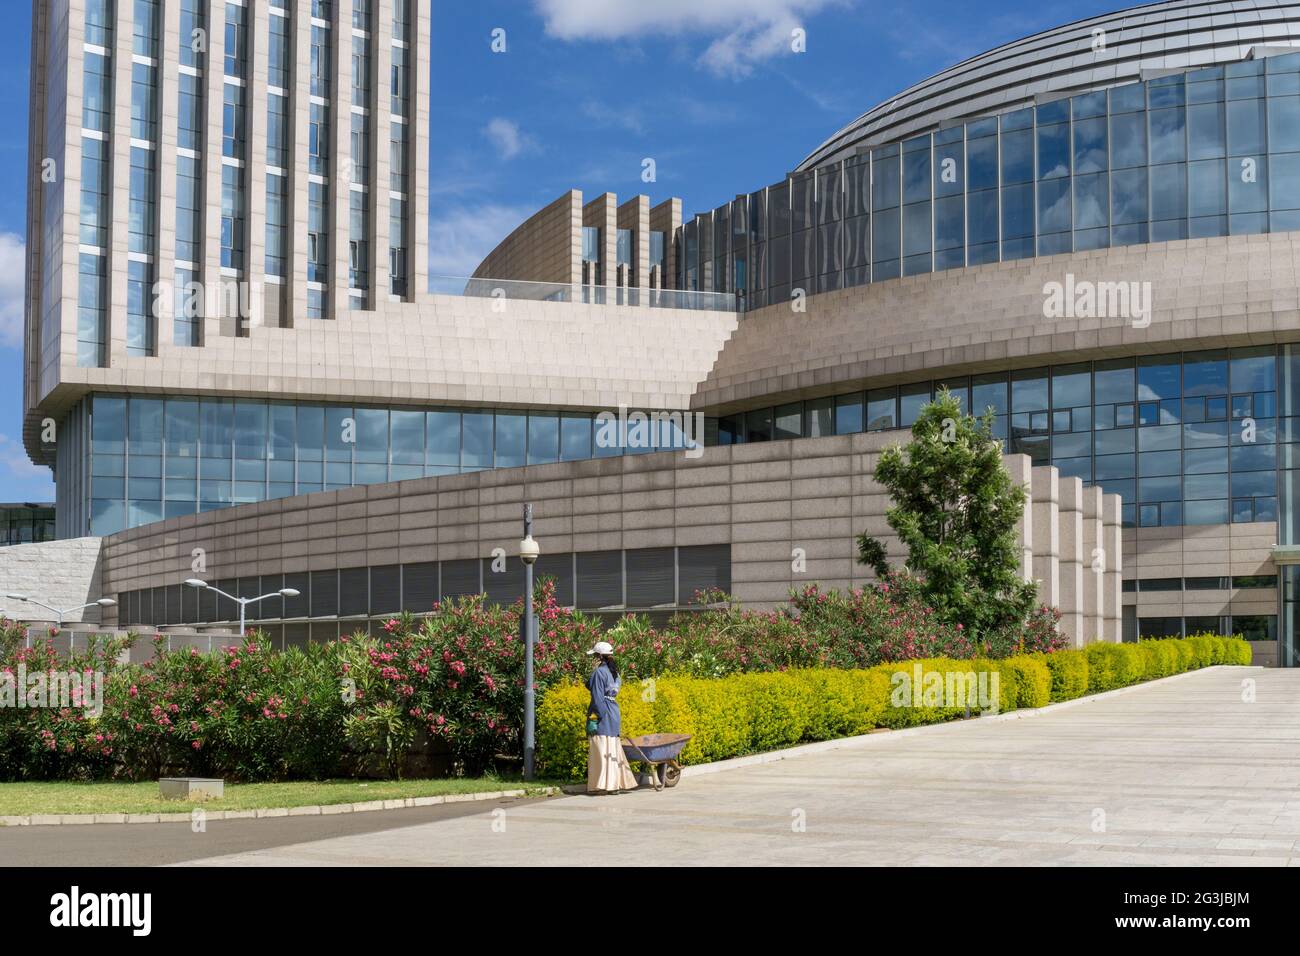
x,y
751,713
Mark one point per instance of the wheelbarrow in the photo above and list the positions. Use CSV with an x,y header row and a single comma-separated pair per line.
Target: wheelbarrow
x,y
660,752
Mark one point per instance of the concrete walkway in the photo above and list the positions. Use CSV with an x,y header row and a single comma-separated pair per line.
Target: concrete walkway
x,y
1182,772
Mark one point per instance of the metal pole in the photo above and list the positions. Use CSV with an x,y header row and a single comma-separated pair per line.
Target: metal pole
x,y
243,604
529,639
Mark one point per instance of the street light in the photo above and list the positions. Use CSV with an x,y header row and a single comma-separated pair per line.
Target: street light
x,y
102,602
529,551
243,602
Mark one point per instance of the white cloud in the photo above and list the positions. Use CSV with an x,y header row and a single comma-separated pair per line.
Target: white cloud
x,y
13,269
20,480
461,237
506,136
741,32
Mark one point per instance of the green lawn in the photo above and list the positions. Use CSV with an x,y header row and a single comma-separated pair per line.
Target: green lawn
x,y
26,799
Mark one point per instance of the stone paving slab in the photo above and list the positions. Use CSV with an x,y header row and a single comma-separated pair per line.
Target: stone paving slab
x,y
1175,773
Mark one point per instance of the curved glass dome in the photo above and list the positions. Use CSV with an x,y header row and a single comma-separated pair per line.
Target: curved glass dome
x,y
1091,54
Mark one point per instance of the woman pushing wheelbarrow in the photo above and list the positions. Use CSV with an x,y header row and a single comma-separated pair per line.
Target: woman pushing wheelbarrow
x,y
608,769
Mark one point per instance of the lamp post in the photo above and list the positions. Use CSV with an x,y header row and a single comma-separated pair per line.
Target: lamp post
x,y
528,553
59,614
242,601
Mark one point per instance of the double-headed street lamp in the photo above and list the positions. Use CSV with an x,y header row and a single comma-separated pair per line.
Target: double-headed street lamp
x,y
529,551
242,601
102,602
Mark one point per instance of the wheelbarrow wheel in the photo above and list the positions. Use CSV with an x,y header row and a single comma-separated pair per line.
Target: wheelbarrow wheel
x,y
670,774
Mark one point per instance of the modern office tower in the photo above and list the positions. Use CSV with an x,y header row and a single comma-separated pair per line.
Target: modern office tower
x,y
1091,232
201,170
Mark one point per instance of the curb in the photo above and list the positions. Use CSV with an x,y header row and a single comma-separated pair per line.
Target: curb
x,y
822,746
403,803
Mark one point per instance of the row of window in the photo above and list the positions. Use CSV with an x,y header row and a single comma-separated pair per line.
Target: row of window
x,y
160,458
1213,583
1191,438
637,579
1253,627
1209,152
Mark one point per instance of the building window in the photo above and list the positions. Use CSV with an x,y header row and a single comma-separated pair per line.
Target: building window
x,y
95,185
320,61
190,107
233,125
359,245
399,85
318,138
139,309
189,217
97,103
92,310
188,317
317,234
236,40
397,173
232,217
360,149
145,41
277,131
276,217
360,71
141,217
278,53
193,42
144,102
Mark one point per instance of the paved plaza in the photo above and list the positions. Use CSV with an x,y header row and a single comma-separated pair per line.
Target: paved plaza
x,y
1183,772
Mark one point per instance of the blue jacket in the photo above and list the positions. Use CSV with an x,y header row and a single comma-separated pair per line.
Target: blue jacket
x,y
604,687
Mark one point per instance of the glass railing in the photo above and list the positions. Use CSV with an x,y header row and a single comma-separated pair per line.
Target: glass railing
x,y
517,290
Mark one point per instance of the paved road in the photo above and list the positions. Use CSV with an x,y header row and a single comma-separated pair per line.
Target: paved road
x,y
153,844
1179,773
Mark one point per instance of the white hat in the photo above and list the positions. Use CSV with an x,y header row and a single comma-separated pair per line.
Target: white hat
x,y
602,647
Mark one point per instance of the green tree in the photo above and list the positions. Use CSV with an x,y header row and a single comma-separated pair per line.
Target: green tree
x,y
955,509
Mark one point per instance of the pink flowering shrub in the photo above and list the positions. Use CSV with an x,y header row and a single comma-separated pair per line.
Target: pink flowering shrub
x,y
452,680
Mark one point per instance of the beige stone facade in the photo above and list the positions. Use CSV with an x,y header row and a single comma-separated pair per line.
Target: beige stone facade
x,y
786,511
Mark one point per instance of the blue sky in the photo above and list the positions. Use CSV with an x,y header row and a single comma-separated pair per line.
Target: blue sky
x,y
586,90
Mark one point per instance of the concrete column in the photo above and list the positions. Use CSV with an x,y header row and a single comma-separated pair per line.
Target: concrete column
x,y
1021,469
66,152
635,215
667,218
168,131
1113,578
120,145
296,213
340,164
1094,558
602,213
1071,560
214,104
1046,505
418,207
381,118
259,72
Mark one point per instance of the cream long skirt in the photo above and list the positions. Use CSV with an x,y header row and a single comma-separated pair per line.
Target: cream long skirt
x,y
607,768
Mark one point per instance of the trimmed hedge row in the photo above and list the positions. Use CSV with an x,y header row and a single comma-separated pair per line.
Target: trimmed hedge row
x,y
751,713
